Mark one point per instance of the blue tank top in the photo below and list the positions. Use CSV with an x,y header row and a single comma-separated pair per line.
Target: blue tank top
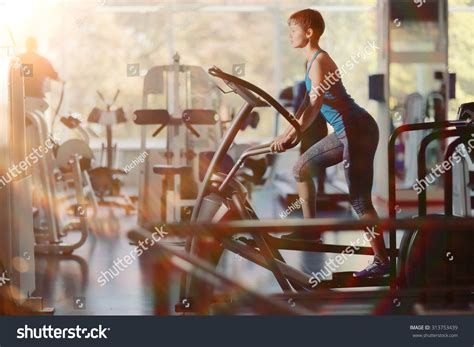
x,y
337,103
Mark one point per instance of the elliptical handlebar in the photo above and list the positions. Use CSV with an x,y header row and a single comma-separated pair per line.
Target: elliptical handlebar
x,y
252,151
249,87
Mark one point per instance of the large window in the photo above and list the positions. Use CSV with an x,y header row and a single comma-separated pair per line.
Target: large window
x,y
92,44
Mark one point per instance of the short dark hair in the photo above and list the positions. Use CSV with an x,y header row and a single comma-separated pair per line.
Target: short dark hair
x,y
309,19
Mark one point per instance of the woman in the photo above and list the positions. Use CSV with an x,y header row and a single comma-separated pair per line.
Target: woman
x,y
353,142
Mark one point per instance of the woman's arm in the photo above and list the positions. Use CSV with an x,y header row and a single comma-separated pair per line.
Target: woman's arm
x,y
302,107
310,108
298,114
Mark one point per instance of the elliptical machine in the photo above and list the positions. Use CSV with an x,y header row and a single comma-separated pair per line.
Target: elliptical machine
x,y
222,196
222,193
223,199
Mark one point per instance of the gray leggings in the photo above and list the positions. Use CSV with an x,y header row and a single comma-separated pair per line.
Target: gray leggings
x,y
355,147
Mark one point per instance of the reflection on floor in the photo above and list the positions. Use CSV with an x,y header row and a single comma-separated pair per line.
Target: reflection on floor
x,y
71,285
76,285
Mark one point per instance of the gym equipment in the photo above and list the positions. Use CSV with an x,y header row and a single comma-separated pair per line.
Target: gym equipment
x,y
17,253
193,129
255,172
67,146
396,100
384,300
49,228
435,105
70,140
172,203
413,115
77,145
108,117
188,98
463,194
222,199
105,179
169,259
440,244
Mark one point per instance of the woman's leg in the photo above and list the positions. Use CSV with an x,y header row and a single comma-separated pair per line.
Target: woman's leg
x,y
375,235
325,153
359,153
361,200
317,131
307,193
322,154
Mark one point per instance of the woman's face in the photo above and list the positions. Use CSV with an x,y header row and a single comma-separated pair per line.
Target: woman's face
x,y
298,37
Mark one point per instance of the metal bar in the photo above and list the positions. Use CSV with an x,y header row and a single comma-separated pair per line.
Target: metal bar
x,y
161,286
325,294
310,225
205,272
226,142
239,163
437,135
264,249
256,257
448,178
392,189
224,230
274,251
220,153
309,246
392,198
109,149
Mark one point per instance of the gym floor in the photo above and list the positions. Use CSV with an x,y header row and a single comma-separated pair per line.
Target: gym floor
x,y
71,286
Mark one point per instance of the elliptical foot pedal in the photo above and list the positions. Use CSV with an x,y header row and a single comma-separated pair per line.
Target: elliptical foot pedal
x,y
298,236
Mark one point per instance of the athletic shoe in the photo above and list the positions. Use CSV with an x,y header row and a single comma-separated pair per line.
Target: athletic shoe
x,y
374,269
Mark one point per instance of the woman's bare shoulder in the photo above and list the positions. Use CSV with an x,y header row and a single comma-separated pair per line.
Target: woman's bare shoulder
x,y
324,58
325,61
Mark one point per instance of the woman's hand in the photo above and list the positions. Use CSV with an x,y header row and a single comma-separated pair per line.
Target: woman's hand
x,y
276,143
282,143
